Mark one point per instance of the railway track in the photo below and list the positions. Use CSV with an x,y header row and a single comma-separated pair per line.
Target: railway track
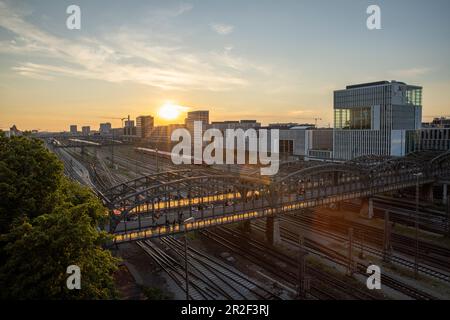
x,y
323,285
209,278
227,274
410,204
288,279
435,261
324,251
428,219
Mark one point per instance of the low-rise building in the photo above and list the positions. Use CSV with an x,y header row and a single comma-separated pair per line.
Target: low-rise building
x,y
242,124
162,134
407,141
306,142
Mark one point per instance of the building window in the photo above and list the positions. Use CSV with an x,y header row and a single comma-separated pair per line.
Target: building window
x,y
287,147
414,96
354,118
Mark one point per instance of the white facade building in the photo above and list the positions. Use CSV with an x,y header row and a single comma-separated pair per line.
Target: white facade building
x,y
369,119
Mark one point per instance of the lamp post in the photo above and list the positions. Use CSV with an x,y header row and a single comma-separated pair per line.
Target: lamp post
x,y
188,220
157,164
112,149
416,255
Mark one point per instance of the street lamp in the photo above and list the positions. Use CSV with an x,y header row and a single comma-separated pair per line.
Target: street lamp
x,y
188,220
416,256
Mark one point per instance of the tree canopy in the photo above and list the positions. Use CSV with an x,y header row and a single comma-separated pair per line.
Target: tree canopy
x,y
48,223
30,177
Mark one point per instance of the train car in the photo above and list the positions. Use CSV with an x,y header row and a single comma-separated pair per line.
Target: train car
x,y
161,154
166,155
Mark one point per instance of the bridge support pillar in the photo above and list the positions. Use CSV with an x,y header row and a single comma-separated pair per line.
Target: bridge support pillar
x,y
273,230
366,208
427,192
246,226
335,206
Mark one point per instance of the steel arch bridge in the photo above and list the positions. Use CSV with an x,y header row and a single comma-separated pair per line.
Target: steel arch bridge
x,y
156,205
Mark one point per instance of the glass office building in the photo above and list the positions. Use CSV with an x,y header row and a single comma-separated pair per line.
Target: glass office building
x,y
367,117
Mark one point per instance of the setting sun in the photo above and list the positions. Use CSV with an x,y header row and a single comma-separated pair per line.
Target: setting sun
x,y
170,111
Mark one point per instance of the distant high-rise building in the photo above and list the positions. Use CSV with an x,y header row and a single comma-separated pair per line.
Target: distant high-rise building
x,y
370,118
144,126
194,116
129,129
85,130
73,129
105,128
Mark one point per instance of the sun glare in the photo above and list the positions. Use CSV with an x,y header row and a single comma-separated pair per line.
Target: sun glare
x,y
170,111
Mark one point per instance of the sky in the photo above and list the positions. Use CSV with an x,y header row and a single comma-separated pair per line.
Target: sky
x,y
273,61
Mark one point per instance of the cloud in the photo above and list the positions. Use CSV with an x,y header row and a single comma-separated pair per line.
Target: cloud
x,y
227,59
171,11
183,8
411,72
120,56
302,112
222,29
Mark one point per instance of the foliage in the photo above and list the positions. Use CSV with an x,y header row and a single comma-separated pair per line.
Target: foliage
x,y
48,223
152,293
29,177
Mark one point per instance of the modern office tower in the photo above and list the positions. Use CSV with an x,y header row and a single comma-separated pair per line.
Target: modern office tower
x,y
73,129
144,126
86,130
105,128
371,118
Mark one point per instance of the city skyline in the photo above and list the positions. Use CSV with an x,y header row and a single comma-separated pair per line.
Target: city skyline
x,y
252,60
239,153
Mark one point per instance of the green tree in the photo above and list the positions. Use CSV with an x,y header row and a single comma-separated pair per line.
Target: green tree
x,y
29,179
48,230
